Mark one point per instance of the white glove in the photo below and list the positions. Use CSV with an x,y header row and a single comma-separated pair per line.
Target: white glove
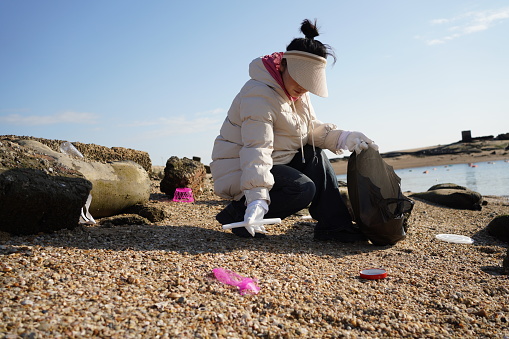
x,y
355,142
255,211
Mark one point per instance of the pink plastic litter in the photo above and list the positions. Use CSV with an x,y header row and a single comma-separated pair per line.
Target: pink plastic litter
x,y
183,195
245,285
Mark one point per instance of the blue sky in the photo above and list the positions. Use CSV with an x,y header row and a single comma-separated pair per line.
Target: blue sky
x,y
159,76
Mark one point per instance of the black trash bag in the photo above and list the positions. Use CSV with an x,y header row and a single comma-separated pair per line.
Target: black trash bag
x,y
380,209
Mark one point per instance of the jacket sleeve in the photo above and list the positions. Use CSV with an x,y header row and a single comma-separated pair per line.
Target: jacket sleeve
x,y
323,135
326,136
256,114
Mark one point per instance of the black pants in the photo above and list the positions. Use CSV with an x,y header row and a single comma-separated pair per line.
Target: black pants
x,y
297,185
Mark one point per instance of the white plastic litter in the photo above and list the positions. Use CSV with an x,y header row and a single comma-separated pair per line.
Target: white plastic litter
x,y
86,217
455,238
67,148
244,224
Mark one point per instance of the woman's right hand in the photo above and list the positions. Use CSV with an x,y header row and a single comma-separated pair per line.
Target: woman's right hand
x,y
255,212
355,142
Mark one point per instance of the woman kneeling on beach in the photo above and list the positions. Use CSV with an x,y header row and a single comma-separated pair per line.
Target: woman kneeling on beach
x,y
268,158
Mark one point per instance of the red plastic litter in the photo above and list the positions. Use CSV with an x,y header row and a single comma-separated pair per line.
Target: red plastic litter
x,y
373,273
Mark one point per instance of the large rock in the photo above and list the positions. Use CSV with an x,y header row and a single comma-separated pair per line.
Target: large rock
x,y
32,201
150,212
452,195
115,186
499,227
36,195
94,152
180,173
124,220
448,186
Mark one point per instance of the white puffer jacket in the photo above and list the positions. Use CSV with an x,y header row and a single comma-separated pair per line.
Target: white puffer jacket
x,y
262,129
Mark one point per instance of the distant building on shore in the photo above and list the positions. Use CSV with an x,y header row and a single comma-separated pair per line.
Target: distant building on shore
x,y
466,136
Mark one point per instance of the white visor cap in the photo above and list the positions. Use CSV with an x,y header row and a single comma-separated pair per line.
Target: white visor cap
x,y
308,70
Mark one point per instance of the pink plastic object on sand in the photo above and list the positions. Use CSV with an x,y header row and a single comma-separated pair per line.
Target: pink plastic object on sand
x,y
183,195
245,285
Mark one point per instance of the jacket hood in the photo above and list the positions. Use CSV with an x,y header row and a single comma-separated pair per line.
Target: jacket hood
x,y
258,72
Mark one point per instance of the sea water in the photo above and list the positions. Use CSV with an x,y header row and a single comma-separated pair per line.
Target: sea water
x,y
487,178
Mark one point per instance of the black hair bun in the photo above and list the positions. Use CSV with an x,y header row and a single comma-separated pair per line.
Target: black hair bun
x,y
309,29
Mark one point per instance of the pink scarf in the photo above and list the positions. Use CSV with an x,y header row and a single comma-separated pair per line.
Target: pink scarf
x,y
273,64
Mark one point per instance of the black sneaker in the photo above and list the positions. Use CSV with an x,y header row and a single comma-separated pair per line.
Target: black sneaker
x,y
229,215
347,235
242,232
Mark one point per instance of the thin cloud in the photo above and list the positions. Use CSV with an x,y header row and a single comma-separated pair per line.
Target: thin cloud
x,y
183,126
185,129
439,21
211,112
468,23
199,123
59,118
180,120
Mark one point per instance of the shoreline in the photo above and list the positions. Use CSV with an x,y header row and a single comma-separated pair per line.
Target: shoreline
x,y
410,161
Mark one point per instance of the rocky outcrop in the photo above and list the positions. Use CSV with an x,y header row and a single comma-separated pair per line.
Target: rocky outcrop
x,y
180,173
452,195
13,155
94,152
37,194
32,201
115,186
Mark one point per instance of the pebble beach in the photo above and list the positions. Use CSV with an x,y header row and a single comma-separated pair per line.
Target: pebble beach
x,y
156,281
